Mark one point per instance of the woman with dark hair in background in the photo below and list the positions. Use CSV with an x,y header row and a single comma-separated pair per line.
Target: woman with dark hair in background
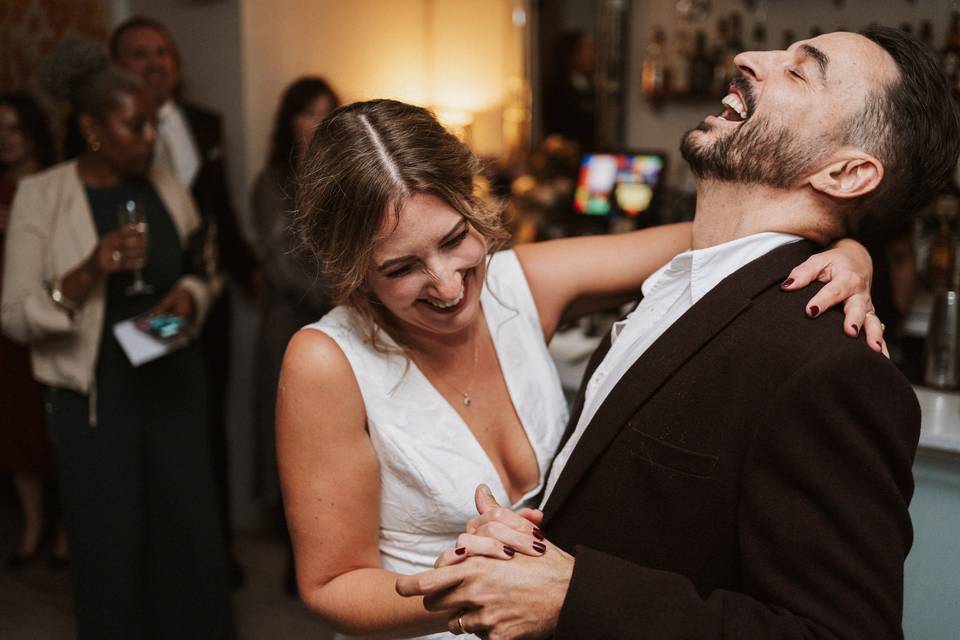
x,y
26,147
293,294
138,497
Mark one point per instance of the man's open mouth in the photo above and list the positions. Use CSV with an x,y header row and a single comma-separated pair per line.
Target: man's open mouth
x,y
734,108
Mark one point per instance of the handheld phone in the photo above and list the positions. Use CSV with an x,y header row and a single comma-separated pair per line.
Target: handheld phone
x,y
163,326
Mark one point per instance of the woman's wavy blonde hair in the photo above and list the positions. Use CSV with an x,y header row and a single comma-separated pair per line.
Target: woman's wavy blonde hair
x,y
364,162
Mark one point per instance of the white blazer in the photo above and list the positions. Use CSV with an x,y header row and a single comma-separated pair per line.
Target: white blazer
x,y
51,232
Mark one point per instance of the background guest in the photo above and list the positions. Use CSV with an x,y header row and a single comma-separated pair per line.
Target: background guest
x,y
25,147
293,294
190,143
137,489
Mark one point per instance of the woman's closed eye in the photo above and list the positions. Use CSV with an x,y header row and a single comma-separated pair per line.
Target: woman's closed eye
x,y
457,239
399,271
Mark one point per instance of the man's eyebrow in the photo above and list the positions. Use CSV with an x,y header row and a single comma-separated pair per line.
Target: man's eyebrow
x,y
818,56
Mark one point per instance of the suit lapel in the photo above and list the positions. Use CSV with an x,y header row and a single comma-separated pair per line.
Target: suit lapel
x,y
668,353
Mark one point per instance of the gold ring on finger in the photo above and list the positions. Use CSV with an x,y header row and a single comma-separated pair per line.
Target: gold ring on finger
x,y
116,255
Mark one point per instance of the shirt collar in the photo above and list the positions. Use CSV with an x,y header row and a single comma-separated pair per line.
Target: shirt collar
x,y
707,267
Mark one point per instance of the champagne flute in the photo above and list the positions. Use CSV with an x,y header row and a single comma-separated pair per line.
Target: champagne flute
x,y
131,214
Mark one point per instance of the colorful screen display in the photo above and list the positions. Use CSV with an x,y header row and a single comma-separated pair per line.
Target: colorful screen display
x,y
617,183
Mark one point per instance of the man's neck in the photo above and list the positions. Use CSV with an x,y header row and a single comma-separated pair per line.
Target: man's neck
x,y
727,211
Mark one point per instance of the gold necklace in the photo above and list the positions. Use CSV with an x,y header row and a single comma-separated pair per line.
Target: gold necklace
x,y
467,400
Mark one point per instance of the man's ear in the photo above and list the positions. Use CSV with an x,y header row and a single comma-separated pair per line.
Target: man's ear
x,y
852,175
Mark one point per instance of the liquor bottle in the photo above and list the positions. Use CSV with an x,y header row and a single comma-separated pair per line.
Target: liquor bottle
x,y
759,37
789,37
940,260
735,46
653,76
950,54
701,66
679,71
722,59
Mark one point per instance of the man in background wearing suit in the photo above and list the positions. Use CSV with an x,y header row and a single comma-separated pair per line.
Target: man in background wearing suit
x,y
734,469
190,142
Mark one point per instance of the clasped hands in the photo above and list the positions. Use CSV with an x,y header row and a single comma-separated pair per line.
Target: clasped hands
x,y
502,580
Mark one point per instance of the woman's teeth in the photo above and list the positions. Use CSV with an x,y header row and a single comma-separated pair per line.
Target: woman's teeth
x,y
446,305
733,101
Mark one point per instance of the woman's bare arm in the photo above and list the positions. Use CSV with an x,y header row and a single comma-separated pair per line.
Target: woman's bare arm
x,y
560,272
577,275
330,478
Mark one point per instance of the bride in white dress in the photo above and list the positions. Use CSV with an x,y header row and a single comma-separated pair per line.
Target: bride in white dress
x,y
433,375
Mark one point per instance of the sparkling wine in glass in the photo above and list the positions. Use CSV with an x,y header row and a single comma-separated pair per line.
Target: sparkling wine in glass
x,y
131,214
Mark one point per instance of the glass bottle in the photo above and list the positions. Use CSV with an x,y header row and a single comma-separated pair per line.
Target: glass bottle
x,y
926,33
718,86
701,66
940,260
950,54
653,80
680,63
759,37
789,37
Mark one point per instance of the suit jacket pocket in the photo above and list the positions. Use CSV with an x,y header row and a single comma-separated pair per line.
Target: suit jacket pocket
x,y
665,454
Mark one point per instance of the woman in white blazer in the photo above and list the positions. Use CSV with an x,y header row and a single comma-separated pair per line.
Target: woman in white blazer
x,y
138,494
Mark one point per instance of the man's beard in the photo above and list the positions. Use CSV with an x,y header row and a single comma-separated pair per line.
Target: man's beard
x,y
757,152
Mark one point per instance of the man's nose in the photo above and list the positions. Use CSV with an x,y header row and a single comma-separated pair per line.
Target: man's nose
x,y
752,64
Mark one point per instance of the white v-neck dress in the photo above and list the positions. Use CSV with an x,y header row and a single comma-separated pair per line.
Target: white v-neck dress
x,y
430,462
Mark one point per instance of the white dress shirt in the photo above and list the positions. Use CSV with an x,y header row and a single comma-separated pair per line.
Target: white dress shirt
x,y
667,294
175,145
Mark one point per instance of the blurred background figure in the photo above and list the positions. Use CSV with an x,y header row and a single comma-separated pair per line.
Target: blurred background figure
x,y
293,294
138,495
26,147
190,144
569,101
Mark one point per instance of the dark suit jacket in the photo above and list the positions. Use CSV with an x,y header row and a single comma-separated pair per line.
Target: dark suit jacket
x,y
212,195
748,478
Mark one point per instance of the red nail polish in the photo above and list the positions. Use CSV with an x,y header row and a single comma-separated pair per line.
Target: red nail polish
x,y
539,547
814,311
460,551
509,551
787,282
538,533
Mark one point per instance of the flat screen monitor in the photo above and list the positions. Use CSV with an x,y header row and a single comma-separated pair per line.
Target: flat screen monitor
x,y
619,183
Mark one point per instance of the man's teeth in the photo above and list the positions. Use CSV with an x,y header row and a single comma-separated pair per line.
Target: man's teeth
x,y
734,102
447,305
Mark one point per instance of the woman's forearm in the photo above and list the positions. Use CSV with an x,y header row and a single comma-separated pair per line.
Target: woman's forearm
x,y
77,284
365,602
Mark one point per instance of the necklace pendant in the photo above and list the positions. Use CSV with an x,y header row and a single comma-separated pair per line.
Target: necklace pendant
x,y
466,400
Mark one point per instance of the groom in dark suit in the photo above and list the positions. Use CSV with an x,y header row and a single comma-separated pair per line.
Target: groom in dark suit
x,y
733,469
